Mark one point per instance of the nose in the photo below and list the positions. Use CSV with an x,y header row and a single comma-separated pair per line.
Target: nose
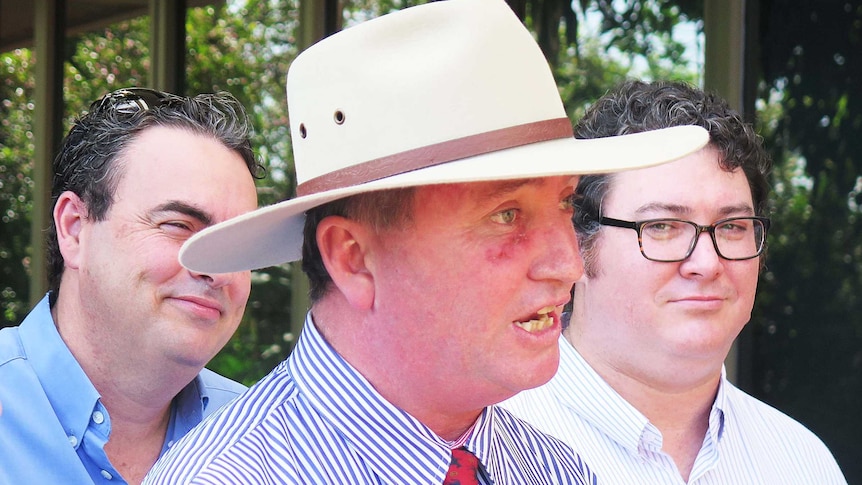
x,y
704,259
558,256
216,280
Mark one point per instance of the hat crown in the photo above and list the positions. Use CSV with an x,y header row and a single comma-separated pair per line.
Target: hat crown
x,y
414,78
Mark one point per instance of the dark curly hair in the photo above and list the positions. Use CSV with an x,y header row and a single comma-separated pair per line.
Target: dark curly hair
x,y
637,106
86,163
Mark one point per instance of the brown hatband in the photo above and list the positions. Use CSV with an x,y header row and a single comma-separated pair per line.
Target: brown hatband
x,y
438,153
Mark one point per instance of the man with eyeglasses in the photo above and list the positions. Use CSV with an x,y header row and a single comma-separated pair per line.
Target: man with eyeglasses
x,y
671,260
107,371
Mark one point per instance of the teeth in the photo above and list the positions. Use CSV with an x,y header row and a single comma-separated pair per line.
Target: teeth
x,y
544,321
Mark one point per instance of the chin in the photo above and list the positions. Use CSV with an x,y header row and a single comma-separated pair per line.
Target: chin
x,y
540,375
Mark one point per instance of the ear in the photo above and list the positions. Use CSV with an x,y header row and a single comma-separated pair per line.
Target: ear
x,y
343,245
69,216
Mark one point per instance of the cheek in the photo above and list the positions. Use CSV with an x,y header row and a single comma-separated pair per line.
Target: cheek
x,y
508,249
745,281
159,262
241,288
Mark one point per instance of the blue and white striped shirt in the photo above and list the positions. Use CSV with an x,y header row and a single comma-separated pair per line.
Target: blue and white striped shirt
x,y
748,442
315,419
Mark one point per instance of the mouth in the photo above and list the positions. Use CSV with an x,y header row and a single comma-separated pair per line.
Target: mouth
x,y
203,307
699,299
542,320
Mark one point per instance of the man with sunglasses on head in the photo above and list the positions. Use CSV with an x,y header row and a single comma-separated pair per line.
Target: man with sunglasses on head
x,y
107,371
671,260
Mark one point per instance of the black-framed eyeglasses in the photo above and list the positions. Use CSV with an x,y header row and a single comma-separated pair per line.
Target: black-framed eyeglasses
x,y
673,240
132,100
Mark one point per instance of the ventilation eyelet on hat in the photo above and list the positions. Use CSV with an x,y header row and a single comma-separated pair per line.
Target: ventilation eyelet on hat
x,y
338,117
302,131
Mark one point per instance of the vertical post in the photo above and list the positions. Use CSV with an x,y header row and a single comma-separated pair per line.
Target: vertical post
x,y
50,37
724,67
168,45
724,73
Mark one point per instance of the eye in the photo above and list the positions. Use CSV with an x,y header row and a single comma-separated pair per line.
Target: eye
x,y
663,230
507,216
734,229
176,228
177,224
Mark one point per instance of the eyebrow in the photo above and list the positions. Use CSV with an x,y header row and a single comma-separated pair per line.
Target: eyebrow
x,y
685,210
184,208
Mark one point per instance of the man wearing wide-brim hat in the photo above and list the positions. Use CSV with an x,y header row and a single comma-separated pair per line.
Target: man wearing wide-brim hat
x,y
435,169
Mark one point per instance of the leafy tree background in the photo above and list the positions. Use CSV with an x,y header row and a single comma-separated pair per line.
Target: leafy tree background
x,y
802,349
806,331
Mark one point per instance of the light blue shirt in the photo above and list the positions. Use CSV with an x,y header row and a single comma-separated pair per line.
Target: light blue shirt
x,y
315,420
53,427
748,441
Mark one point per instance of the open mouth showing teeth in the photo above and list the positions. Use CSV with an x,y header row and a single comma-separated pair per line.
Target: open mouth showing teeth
x,y
543,321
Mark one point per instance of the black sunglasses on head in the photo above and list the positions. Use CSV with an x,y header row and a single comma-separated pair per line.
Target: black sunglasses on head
x,y
132,100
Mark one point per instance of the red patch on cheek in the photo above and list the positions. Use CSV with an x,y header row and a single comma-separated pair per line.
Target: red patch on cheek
x,y
508,249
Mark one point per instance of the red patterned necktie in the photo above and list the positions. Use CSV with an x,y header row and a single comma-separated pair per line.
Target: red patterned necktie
x,y
463,469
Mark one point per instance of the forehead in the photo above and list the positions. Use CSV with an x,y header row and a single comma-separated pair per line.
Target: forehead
x,y
694,181
167,163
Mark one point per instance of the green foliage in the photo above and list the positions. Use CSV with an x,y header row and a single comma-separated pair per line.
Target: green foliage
x,y
100,62
587,64
805,325
16,184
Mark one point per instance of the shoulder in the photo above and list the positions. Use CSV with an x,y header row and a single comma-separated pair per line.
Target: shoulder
x,y
219,389
759,422
36,330
245,430
529,444
515,426
10,346
213,382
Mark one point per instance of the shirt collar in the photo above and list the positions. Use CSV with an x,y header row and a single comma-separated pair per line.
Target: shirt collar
x,y
187,410
67,387
720,407
381,433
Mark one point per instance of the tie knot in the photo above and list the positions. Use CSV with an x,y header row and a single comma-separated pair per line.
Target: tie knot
x,y
463,468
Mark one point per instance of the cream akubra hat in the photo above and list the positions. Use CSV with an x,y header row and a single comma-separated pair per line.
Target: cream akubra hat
x,y
446,92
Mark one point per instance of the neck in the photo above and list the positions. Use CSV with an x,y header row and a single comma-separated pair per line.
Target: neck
x,y
136,393
682,418
136,442
431,403
675,404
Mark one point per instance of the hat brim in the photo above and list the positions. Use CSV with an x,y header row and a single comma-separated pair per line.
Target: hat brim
x,y
273,234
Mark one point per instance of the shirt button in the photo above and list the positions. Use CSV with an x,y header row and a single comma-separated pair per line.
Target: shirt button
x,y
107,475
73,440
98,417
170,443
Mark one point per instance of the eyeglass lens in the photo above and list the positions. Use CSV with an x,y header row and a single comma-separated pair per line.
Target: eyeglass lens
x,y
674,240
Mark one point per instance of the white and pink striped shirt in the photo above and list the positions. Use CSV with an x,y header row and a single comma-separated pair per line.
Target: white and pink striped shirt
x,y
748,441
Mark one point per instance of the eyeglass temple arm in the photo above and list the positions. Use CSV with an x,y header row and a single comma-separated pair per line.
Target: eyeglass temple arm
x,y
609,221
